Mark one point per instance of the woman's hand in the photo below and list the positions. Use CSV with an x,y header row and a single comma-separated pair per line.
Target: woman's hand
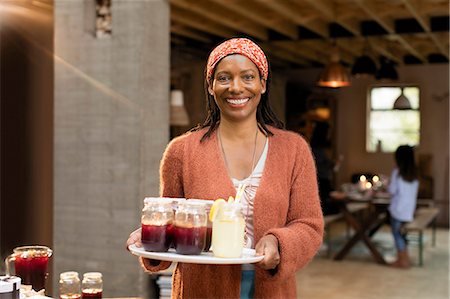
x,y
268,246
135,238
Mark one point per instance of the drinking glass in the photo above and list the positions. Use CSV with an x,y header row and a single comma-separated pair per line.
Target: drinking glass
x,y
190,228
157,224
208,205
228,232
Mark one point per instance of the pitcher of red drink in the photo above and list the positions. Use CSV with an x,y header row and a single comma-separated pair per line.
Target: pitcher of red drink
x,y
30,264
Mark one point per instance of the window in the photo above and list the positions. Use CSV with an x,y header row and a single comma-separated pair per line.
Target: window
x,y
388,127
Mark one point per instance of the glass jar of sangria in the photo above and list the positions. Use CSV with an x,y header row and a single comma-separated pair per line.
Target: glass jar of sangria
x,y
228,231
156,223
69,285
190,227
92,285
208,204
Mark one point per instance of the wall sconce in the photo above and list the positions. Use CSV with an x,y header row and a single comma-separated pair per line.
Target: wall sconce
x,y
178,113
334,75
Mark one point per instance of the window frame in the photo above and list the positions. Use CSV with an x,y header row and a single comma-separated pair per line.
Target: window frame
x,y
369,111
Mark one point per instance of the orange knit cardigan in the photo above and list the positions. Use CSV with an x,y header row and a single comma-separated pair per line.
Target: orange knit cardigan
x,y
286,205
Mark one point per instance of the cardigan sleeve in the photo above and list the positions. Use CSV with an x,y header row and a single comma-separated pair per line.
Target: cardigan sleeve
x,y
301,237
171,185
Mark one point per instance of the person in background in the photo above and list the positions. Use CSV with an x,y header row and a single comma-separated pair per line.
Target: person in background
x,y
243,142
403,187
325,166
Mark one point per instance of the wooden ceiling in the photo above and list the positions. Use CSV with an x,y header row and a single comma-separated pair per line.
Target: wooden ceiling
x,y
302,32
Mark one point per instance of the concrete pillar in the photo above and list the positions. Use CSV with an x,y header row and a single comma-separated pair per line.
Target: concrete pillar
x,y
111,127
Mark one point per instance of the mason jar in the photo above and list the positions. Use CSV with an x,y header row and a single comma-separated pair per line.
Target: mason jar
x,y
228,231
190,227
69,285
92,285
157,224
208,205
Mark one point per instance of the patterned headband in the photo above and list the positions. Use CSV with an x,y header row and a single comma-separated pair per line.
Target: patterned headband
x,y
241,46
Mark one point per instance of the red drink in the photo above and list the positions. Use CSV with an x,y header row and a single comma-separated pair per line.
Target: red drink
x,y
92,293
32,269
157,237
189,240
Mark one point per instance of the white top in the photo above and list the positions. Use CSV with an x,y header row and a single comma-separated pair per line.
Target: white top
x,y
248,197
404,197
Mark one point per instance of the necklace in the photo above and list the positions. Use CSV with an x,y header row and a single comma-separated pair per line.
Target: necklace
x,y
247,239
225,156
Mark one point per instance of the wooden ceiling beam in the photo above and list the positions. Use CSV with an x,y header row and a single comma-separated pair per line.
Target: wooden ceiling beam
x,y
238,24
281,7
186,32
388,25
326,9
200,23
302,50
282,54
379,46
414,10
325,49
284,28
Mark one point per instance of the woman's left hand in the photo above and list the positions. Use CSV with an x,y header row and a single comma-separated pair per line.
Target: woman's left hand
x,y
268,246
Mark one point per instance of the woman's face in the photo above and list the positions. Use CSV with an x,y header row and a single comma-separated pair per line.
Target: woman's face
x,y
237,87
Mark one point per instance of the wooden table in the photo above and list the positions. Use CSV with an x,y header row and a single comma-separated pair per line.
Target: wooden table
x,y
365,227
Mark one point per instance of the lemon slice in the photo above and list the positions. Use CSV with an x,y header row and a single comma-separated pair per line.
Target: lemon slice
x,y
215,208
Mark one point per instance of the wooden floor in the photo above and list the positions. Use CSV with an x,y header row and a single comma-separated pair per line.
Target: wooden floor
x,y
359,277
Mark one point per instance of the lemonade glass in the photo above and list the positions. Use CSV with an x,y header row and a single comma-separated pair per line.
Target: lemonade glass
x,y
228,231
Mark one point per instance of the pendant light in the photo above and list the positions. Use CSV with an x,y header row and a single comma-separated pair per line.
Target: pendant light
x,y
387,70
402,102
364,65
335,74
178,113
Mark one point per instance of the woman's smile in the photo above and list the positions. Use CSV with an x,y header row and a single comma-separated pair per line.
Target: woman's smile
x,y
237,101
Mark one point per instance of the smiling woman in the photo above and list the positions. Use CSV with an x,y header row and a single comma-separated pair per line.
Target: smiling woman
x,y
237,88
243,143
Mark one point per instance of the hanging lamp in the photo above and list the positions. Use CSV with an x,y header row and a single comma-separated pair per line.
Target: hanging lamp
x,y
334,75
387,70
178,113
364,65
402,102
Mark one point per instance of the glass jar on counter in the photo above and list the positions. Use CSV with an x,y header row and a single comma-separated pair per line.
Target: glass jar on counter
x,y
157,224
228,231
92,285
190,227
69,285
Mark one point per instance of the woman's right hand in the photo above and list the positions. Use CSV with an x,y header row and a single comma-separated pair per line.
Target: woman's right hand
x,y
135,238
